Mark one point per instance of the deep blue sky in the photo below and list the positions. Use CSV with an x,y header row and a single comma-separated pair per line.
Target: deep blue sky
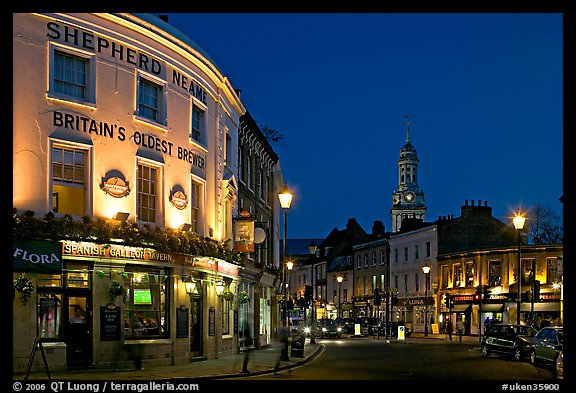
x,y
484,92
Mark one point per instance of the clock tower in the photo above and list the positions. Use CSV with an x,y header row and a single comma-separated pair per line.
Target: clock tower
x,y
408,199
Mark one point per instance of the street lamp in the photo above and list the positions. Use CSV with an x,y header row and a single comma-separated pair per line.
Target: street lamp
x,y
339,279
285,200
518,221
426,270
312,248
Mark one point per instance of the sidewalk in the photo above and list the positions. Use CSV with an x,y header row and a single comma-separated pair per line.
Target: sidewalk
x,y
261,361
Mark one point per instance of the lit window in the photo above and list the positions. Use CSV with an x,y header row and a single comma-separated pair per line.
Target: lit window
x,y
197,124
71,77
68,180
147,193
150,101
146,303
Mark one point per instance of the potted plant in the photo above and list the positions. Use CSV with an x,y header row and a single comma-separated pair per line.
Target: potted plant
x,y
116,289
243,297
228,295
24,285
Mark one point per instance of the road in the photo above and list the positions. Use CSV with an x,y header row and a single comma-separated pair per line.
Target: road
x,y
414,359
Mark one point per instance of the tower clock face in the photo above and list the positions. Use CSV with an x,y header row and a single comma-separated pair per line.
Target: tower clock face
x,y
396,198
409,197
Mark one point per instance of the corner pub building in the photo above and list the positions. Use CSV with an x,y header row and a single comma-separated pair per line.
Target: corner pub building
x,y
121,124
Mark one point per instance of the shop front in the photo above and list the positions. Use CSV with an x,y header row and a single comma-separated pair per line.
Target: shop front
x,y
114,306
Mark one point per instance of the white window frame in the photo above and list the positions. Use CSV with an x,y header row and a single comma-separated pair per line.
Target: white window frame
x,y
202,140
201,204
162,87
90,93
158,208
87,173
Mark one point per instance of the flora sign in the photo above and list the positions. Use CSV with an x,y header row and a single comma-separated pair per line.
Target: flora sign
x,y
36,256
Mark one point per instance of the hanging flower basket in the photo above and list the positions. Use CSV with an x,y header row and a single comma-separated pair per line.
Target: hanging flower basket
x,y
116,289
24,285
228,295
243,297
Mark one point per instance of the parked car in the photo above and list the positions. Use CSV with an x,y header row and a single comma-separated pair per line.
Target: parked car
x,y
514,340
547,345
394,329
347,325
559,366
366,325
329,328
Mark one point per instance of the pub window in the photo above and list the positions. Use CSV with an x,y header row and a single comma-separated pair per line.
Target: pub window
x,y
72,76
470,269
198,124
226,308
196,197
528,271
49,318
241,164
260,184
68,179
249,172
494,273
150,104
77,276
552,267
146,306
458,275
147,193
267,190
446,279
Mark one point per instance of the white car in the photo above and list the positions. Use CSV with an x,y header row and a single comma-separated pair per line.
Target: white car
x,y
559,366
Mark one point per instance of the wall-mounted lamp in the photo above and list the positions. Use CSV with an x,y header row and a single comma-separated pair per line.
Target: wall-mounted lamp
x,y
121,216
220,288
190,286
185,227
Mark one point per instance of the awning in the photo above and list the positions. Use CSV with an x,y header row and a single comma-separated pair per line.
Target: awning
x,y
540,307
492,307
460,307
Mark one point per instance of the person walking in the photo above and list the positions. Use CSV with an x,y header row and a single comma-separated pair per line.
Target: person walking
x,y
460,329
449,329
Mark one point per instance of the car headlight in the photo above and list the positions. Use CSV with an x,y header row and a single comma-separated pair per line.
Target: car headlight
x,y
307,330
339,329
324,329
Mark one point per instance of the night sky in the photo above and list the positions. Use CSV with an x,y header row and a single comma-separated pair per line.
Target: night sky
x,y
484,92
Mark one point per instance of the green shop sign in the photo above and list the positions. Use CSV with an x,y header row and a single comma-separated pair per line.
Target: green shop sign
x,y
36,256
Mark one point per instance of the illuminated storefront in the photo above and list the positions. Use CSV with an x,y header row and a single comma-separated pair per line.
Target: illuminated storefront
x,y
121,119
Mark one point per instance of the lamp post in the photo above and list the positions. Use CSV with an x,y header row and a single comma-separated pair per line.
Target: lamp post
x,y
285,200
426,270
518,221
312,247
339,279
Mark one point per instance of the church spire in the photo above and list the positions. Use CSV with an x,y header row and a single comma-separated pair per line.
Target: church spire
x,y
407,128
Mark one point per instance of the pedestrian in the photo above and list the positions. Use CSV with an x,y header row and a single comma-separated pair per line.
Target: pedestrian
x,y
460,328
449,329
283,337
